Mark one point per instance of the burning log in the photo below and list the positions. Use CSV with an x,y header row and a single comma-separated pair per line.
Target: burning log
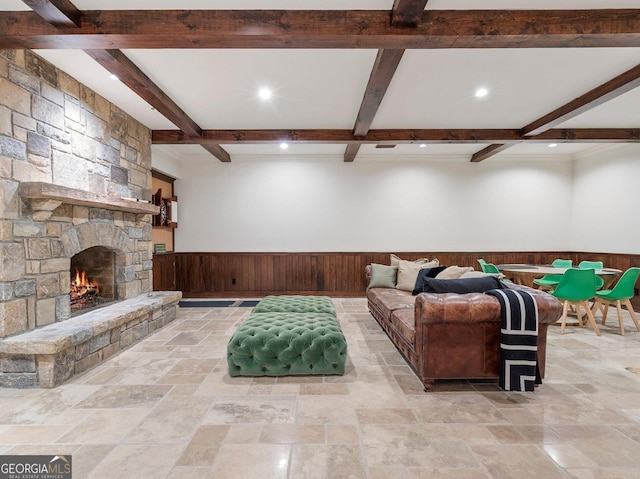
x,y
83,290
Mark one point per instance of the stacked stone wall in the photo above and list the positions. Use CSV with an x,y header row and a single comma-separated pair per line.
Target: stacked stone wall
x,y
55,130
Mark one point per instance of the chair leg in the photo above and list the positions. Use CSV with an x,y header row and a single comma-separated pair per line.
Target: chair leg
x,y
597,306
605,310
627,303
579,315
592,320
620,318
565,308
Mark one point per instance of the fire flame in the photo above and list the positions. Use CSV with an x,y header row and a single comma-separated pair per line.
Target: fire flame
x,y
81,288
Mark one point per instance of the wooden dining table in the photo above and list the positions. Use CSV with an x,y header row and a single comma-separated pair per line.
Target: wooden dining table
x,y
526,273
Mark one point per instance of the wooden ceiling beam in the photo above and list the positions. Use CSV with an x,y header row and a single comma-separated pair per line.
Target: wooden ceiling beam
x,y
351,151
63,13
117,63
488,152
615,87
404,13
111,29
217,151
59,13
384,68
407,13
397,136
607,91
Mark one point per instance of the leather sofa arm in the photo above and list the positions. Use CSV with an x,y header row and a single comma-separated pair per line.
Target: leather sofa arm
x,y
453,308
469,308
367,273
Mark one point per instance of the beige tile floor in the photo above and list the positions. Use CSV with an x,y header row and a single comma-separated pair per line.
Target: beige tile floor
x,y
166,409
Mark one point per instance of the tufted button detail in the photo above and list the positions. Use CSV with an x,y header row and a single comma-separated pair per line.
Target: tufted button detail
x,y
287,342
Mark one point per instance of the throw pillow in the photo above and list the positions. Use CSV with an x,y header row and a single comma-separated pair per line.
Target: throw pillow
x,y
407,275
395,260
383,276
461,286
481,274
454,272
426,273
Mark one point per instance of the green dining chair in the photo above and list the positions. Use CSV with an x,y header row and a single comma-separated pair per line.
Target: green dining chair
x,y
621,293
550,281
490,268
576,288
591,264
482,263
562,263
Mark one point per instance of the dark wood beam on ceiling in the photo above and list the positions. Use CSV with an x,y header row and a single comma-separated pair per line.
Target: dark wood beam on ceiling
x,y
217,151
351,151
109,29
117,63
489,151
586,135
593,98
59,13
407,13
63,13
396,136
607,91
384,68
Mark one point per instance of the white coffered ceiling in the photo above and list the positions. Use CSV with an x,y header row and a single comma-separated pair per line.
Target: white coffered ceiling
x,y
323,89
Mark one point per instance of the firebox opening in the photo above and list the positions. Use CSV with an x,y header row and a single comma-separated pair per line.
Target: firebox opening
x,y
92,279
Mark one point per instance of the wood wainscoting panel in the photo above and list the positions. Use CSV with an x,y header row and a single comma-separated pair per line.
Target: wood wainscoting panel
x,y
164,272
244,275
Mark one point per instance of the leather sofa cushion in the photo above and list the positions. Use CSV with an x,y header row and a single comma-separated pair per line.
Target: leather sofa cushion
x,y
389,300
404,322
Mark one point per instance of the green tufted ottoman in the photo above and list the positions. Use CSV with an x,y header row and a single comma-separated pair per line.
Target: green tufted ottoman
x,y
281,343
295,304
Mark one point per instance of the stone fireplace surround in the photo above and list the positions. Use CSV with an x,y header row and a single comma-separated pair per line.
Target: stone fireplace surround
x,y
58,348
75,172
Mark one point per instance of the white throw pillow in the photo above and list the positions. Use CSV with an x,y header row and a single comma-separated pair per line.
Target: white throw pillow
x,y
454,272
480,274
395,260
408,273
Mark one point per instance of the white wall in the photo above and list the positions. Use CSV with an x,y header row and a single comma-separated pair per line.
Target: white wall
x,y
164,163
606,202
325,206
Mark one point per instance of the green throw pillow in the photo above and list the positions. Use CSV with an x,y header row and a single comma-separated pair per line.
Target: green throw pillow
x,y
383,276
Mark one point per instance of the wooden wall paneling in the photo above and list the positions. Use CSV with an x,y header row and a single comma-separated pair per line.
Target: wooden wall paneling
x,y
164,272
337,274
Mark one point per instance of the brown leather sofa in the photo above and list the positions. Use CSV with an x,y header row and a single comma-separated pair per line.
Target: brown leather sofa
x,y
449,335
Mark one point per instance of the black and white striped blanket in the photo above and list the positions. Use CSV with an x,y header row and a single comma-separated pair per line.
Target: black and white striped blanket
x,y
519,341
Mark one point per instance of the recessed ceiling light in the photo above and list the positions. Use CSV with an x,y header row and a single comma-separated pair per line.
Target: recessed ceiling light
x,y
264,93
423,145
552,145
284,146
481,92
113,76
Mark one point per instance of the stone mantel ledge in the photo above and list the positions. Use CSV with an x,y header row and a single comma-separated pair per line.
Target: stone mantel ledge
x,y
57,337
46,197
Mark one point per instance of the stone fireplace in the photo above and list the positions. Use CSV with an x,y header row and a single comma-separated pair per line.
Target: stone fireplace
x,y
75,175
